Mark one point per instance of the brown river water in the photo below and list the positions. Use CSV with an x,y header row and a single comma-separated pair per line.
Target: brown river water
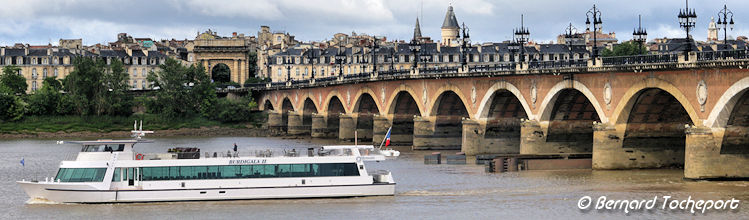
x,y
422,191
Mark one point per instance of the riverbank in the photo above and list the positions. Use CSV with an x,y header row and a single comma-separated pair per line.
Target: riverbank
x,y
202,131
119,127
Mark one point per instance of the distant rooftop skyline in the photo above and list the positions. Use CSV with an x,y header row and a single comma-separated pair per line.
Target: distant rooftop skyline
x,y
42,21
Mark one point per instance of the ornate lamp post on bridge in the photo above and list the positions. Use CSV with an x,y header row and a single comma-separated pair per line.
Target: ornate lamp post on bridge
x,y
340,59
726,14
415,47
640,35
687,20
311,59
464,46
570,35
521,35
597,24
374,49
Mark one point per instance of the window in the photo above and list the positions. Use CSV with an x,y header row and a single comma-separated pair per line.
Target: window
x,y
279,72
56,72
249,171
306,71
297,71
135,72
143,84
143,72
103,148
33,85
44,73
33,73
81,174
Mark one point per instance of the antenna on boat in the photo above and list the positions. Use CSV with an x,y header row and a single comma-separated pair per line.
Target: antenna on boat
x,y
138,134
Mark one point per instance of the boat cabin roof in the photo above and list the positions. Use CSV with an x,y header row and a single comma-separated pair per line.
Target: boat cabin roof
x,y
97,142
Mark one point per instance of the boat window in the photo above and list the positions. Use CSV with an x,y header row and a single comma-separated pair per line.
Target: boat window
x,y
103,148
81,174
116,176
248,171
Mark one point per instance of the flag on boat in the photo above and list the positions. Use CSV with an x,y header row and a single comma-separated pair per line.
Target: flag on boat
x,y
387,137
23,161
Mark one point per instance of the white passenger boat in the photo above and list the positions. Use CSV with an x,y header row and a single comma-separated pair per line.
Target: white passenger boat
x,y
110,171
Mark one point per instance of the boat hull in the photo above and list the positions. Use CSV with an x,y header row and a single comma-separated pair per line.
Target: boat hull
x,y
55,193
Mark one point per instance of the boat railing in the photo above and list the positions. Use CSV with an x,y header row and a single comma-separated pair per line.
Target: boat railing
x,y
290,152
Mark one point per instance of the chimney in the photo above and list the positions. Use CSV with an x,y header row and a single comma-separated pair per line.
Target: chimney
x,y
49,51
2,51
145,52
25,51
234,34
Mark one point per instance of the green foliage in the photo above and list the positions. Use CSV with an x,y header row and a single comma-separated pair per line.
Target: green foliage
x,y
98,88
113,98
252,60
231,111
628,48
11,107
221,73
12,80
45,100
53,83
182,91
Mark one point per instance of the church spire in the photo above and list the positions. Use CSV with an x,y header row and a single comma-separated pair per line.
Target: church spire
x,y
417,30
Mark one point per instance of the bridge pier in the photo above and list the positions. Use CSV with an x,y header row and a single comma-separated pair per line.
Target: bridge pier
x,y
473,134
609,151
381,126
704,158
296,126
425,137
320,126
347,126
276,124
491,137
554,137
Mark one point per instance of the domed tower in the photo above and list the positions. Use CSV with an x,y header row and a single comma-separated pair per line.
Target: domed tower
x,y
712,31
450,28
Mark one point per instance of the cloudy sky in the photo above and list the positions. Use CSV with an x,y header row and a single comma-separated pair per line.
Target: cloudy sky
x,y
99,21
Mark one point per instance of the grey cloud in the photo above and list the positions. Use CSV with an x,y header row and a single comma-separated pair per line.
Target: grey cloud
x,y
40,21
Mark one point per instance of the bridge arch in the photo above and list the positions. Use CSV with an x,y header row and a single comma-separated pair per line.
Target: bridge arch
x,y
486,102
267,106
547,105
404,89
721,113
309,108
365,108
403,110
311,98
366,91
333,95
435,99
333,110
623,109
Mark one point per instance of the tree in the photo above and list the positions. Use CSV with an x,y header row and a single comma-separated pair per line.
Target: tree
x,y
628,48
85,83
182,90
97,88
113,98
221,73
45,100
11,107
12,80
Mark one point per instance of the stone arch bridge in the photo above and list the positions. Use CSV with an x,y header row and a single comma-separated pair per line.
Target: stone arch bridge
x,y
690,114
